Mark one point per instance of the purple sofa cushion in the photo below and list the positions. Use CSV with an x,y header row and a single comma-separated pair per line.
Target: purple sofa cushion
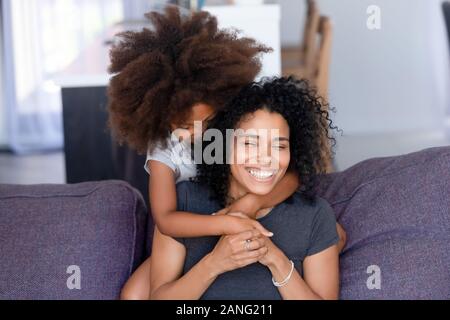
x,y
98,227
396,212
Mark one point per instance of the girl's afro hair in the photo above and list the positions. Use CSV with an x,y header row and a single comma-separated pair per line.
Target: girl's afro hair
x,y
160,74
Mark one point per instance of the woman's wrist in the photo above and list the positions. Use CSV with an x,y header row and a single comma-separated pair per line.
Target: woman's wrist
x,y
280,267
211,269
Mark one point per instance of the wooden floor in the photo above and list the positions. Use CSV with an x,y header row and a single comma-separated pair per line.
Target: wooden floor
x,y
33,169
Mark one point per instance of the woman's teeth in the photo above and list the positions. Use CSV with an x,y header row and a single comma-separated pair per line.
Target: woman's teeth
x,y
261,174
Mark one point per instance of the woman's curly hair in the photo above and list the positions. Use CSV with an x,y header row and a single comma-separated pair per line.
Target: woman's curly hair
x,y
309,124
161,73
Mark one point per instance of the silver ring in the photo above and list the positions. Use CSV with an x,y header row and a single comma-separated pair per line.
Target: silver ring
x,y
247,244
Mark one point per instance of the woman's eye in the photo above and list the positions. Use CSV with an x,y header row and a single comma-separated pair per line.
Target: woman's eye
x,y
280,147
249,143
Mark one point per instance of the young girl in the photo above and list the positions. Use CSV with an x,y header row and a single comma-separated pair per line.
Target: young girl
x,y
181,72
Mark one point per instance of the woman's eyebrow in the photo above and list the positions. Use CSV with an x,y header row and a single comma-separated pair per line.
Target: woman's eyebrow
x,y
244,135
257,137
281,139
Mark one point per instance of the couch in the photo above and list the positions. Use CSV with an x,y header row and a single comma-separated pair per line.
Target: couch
x,y
83,241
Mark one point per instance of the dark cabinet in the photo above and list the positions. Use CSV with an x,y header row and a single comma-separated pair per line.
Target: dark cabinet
x,y
91,152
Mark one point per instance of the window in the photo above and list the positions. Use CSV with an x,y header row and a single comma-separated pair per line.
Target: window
x,y
46,37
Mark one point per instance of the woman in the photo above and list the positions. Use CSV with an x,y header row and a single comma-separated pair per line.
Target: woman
x,y
278,128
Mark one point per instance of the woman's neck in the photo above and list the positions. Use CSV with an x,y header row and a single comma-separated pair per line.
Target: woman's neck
x,y
235,191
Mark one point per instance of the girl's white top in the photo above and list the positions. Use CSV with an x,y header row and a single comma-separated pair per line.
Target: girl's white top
x,y
177,156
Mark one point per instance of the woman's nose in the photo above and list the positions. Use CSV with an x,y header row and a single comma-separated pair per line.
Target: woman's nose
x,y
265,160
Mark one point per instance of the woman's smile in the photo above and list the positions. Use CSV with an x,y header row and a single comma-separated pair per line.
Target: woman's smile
x,y
262,175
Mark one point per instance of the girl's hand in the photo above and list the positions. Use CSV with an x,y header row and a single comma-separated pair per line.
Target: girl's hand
x,y
248,205
222,212
238,222
233,252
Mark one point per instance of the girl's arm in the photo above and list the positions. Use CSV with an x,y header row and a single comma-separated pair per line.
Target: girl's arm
x,y
250,204
163,203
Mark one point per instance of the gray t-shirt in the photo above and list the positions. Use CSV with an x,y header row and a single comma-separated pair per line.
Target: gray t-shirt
x,y
300,230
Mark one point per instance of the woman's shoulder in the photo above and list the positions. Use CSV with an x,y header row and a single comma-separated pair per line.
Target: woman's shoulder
x,y
318,202
193,196
318,220
192,187
319,206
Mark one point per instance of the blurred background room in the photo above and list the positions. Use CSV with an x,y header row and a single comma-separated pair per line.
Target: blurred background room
x,y
383,65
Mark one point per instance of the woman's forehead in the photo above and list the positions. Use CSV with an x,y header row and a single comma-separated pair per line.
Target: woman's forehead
x,y
273,134
263,122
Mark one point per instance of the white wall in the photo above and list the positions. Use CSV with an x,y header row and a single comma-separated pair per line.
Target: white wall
x,y
135,9
261,23
2,101
389,80
292,20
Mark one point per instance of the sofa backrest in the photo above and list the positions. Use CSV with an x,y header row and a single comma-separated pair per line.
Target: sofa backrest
x,y
396,212
70,241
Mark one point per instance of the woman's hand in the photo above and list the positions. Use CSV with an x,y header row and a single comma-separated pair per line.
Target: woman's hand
x,y
276,261
236,251
273,255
